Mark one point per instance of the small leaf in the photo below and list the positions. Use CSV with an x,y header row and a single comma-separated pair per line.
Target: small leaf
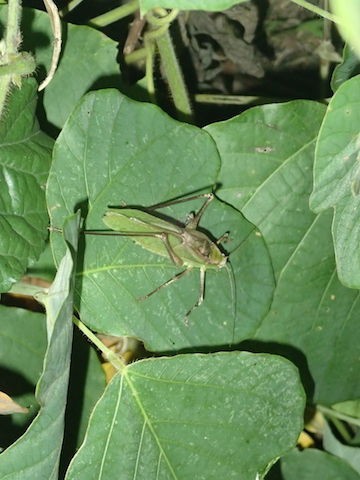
x,y
351,454
24,164
8,406
314,464
351,408
348,68
193,416
337,177
267,155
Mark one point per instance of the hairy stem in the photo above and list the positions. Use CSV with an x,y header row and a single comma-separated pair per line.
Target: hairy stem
x,y
13,36
12,42
109,354
174,75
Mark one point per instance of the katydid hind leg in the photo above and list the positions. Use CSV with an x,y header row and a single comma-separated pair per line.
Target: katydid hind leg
x,y
164,237
175,258
224,238
180,200
194,220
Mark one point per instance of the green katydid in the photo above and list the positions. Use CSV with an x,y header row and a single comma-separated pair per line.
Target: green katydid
x,y
185,245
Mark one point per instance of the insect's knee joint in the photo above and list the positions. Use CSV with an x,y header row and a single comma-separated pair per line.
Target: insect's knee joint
x,y
162,236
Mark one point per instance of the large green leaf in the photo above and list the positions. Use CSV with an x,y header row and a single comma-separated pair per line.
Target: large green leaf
x,y
24,162
267,156
36,454
113,150
313,313
314,464
193,416
337,177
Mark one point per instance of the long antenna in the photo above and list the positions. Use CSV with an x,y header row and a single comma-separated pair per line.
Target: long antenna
x,y
231,275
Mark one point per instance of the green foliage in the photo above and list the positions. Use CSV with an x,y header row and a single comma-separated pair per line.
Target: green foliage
x,y
314,464
206,408
348,453
167,150
269,177
212,5
16,325
184,427
25,159
88,61
337,177
37,453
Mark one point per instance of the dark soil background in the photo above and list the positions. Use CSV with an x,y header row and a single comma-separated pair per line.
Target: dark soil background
x,y
260,51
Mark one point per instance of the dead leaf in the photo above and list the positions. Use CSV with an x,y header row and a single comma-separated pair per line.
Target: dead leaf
x,y
8,406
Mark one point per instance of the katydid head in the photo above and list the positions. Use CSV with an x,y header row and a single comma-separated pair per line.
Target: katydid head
x,y
215,256
197,249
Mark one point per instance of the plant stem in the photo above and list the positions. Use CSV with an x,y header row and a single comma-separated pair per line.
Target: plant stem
x,y
24,288
136,56
219,99
12,36
149,69
317,10
69,7
335,414
109,354
115,15
5,82
159,20
174,75
341,428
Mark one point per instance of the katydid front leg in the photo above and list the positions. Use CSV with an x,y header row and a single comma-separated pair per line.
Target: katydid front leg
x,y
201,295
178,276
193,222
